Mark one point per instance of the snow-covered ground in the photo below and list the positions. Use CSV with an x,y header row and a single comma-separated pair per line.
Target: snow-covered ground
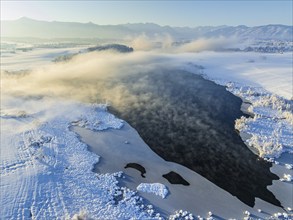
x,y
266,85
272,72
200,197
20,60
46,170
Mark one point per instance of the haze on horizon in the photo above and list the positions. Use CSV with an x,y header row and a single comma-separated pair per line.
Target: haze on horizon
x,y
172,13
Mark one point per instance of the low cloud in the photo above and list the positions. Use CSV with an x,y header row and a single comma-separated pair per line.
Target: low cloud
x,y
87,77
144,42
166,43
203,44
169,108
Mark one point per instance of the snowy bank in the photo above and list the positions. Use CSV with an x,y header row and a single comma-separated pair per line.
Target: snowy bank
x,y
266,86
45,169
271,126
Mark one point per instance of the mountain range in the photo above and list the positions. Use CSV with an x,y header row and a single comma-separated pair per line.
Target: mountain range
x,y
26,27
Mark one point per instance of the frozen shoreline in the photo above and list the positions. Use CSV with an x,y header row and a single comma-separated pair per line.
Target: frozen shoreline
x,y
199,198
270,130
282,189
33,124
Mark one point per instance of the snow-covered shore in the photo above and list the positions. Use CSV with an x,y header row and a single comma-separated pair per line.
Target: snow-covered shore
x,y
31,59
200,197
50,156
46,170
268,91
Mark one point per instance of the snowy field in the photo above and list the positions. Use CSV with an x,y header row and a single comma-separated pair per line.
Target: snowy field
x,y
37,57
46,168
266,85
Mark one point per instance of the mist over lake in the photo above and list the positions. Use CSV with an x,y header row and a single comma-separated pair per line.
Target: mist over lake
x,y
189,120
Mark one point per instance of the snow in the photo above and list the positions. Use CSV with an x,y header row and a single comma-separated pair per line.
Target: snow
x,y
272,72
46,171
37,57
156,188
289,166
287,177
109,144
271,126
267,85
180,214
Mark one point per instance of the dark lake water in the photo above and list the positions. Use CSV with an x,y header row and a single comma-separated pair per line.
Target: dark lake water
x,y
189,120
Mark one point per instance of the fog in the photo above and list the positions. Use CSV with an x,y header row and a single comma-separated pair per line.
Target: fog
x,y
81,77
181,116
203,44
86,76
166,43
160,42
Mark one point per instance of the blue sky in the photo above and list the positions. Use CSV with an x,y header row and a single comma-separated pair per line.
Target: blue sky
x,y
174,13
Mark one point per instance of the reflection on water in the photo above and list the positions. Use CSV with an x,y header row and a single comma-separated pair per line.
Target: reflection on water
x,y
189,120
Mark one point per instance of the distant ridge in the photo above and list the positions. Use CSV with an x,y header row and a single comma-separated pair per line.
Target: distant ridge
x,y
27,27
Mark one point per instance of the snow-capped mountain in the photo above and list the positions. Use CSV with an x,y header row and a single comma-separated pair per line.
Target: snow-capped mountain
x,y
27,27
